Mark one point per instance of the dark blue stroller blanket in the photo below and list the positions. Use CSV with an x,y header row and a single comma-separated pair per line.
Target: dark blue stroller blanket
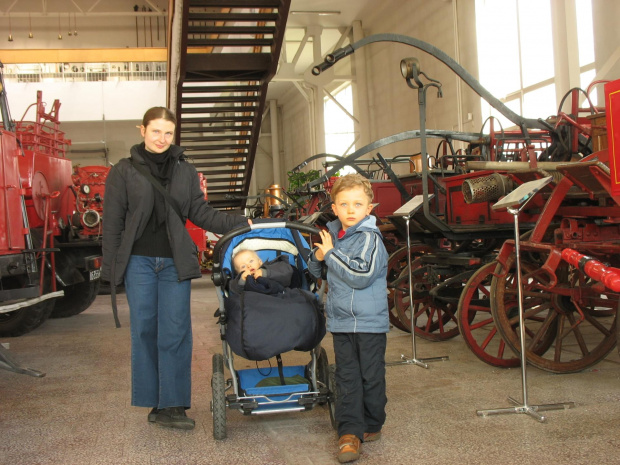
x,y
266,319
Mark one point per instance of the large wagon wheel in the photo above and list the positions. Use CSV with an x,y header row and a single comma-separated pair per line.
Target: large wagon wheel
x,y
435,320
476,323
396,263
477,327
577,312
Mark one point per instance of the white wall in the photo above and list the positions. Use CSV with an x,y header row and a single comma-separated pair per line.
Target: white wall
x,y
89,101
93,115
89,139
296,131
393,105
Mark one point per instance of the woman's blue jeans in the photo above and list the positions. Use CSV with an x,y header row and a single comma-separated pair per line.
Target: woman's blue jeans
x,y
161,333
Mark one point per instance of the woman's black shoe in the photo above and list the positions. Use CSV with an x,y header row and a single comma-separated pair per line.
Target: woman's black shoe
x,y
174,417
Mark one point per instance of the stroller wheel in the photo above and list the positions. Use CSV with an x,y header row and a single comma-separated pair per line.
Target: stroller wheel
x,y
322,372
218,397
333,396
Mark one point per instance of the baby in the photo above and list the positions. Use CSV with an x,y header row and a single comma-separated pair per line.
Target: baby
x,y
248,263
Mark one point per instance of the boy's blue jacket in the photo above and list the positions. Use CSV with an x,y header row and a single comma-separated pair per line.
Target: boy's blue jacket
x,y
357,277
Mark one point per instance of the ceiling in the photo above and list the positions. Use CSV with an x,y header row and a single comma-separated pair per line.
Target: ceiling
x,y
304,12
332,16
346,11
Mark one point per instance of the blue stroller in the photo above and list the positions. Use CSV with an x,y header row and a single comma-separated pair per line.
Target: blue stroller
x,y
258,326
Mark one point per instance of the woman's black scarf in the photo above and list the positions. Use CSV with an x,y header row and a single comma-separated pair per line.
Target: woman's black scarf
x,y
160,165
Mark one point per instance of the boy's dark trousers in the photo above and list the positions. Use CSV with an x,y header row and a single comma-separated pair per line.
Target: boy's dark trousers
x,y
360,380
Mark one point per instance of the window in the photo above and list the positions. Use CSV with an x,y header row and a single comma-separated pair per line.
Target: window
x,y
339,125
516,56
585,28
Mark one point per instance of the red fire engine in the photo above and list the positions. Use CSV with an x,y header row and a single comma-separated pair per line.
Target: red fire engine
x,y
49,264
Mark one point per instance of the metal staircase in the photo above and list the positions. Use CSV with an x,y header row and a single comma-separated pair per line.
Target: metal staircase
x,y
229,54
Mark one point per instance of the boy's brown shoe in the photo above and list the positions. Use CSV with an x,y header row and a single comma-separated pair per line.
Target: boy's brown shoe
x,y
349,448
369,437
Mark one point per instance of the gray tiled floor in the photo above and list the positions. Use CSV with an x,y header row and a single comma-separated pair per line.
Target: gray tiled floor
x,y
80,412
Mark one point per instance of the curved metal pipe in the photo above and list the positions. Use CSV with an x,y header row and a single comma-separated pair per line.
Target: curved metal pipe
x,y
401,136
472,82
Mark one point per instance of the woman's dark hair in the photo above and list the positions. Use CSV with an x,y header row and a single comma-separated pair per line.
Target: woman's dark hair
x,y
158,113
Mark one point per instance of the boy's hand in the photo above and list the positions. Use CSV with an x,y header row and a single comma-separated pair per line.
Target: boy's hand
x,y
324,246
258,273
245,274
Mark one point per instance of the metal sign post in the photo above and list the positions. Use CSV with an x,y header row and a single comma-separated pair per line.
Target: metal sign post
x,y
407,211
515,202
9,363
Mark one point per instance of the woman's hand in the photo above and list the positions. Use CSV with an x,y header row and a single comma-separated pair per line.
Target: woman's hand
x,y
324,246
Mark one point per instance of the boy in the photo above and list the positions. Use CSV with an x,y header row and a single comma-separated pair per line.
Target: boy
x,y
357,312
248,263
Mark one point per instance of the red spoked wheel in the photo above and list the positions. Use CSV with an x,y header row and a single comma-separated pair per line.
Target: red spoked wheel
x,y
476,324
576,315
396,263
435,319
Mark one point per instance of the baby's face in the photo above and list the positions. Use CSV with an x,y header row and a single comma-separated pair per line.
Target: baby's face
x,y
247,261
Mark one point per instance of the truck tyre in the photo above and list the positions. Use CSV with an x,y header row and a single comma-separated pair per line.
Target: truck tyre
x,y
106,289
24,320
77,298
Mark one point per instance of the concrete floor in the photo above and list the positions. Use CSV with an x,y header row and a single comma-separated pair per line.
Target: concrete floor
x,y
80,412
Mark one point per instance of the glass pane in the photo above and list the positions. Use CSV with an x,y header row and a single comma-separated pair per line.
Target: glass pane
x,y
339,127
540,103
536,41
501,121
496,31
585,31
586,78
337,144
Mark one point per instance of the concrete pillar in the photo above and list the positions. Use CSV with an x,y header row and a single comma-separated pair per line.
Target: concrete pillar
x,y
175,60
275,141
565,47
319,107
360,88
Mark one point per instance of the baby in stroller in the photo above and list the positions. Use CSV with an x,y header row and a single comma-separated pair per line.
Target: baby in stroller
x,y
267,308
251,271
272,300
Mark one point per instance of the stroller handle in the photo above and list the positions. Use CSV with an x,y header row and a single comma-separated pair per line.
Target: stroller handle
x,y
216,272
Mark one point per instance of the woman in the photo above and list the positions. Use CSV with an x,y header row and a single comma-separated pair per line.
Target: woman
x,y
145,243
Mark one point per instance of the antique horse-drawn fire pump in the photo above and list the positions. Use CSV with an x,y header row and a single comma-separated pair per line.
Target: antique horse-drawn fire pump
x,y
463,264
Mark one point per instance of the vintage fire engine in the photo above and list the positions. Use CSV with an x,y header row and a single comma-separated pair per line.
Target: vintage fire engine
x,y
462,278
49,264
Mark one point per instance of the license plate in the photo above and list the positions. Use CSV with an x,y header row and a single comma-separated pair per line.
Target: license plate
x,y
95,274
